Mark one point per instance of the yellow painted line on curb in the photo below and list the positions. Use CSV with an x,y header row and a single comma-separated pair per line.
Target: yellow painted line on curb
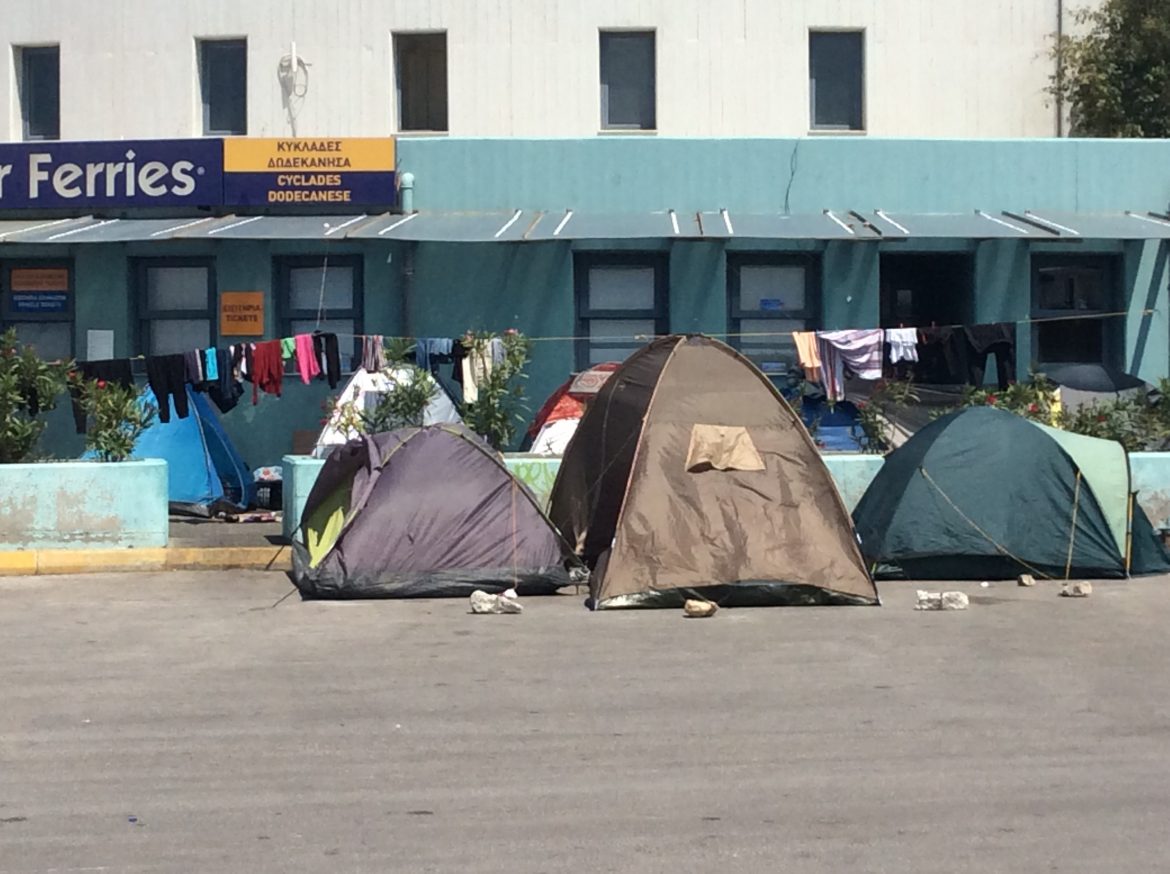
x,y
19,563
235,557
96,561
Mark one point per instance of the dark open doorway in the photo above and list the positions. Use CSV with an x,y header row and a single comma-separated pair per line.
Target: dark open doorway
x,y
920,290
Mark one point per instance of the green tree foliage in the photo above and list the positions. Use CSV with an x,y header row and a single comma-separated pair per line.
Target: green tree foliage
x,y
1114,73
116,419
500,407
29,387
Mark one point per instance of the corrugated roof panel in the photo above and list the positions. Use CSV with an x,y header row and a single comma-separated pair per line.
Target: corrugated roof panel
x,y
38,230
449,227
1102,226
573,225
976,225
273,227
827,225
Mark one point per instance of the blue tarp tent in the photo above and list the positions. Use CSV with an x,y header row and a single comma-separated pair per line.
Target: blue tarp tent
x,y
203,467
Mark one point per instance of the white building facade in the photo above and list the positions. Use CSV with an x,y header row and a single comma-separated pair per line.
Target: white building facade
x,y
527,68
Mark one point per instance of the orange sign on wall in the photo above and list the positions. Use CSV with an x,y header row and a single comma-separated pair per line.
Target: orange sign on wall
x,y
241,314
40,279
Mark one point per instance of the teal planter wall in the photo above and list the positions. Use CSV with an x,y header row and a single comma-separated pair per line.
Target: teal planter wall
x,y
83,505
852,473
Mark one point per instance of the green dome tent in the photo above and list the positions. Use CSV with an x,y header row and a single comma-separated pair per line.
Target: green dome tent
x,y
986,494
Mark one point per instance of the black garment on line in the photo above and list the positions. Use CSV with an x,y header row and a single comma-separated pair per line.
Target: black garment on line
x,y
225,392
167,376
458,353
942,355
999,340
194,368
328,358
115,370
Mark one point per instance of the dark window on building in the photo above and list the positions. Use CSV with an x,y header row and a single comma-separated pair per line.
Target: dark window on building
x,y
319,294
223,76
39,70
627,80
176,304
621,304
420,68
836,79
1070,297
36,298
769,297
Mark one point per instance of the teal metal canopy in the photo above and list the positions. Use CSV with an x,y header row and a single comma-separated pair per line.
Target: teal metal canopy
x,y
516,226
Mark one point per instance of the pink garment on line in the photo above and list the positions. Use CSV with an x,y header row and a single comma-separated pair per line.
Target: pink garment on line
x,y
306,358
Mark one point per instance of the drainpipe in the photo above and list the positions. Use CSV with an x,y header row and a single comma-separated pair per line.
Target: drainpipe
x,y
406,191
1059,67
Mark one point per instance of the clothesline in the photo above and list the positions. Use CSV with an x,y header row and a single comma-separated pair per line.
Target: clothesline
x,y
765,334
726,334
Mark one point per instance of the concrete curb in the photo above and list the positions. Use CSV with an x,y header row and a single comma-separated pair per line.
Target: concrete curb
x,y
93,561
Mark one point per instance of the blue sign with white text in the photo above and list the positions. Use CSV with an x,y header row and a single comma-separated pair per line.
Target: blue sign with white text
x,y
113,174
39,302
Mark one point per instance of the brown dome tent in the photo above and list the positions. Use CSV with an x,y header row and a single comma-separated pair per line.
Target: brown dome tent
x,y
690,475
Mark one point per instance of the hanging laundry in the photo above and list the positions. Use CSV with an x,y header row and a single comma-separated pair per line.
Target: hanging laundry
x,y
267,369
903,344
858,351
995,339
497,351
328,358
807,354
427,348
210,365
117,371
942,352
306,358
477,367
861,350
225,392
193,366
458,354
288,347
243,357
373,353
167,376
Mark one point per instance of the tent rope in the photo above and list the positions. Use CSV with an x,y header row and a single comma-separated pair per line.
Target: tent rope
x,y
1072,534
515,577
999,546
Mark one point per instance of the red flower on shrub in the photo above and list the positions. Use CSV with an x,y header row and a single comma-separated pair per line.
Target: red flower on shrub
x,y
991,399
1032,408
101,383
1100,418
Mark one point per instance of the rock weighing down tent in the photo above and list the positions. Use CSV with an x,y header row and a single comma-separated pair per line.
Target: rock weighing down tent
x,y
364,390
690,474
423,513
204,471
986,494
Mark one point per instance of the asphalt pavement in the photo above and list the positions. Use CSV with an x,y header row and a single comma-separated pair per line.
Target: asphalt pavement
x,y
181,722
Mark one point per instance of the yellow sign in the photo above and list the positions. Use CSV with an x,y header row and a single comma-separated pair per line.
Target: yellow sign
x,y
40,279
308,155
241,314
